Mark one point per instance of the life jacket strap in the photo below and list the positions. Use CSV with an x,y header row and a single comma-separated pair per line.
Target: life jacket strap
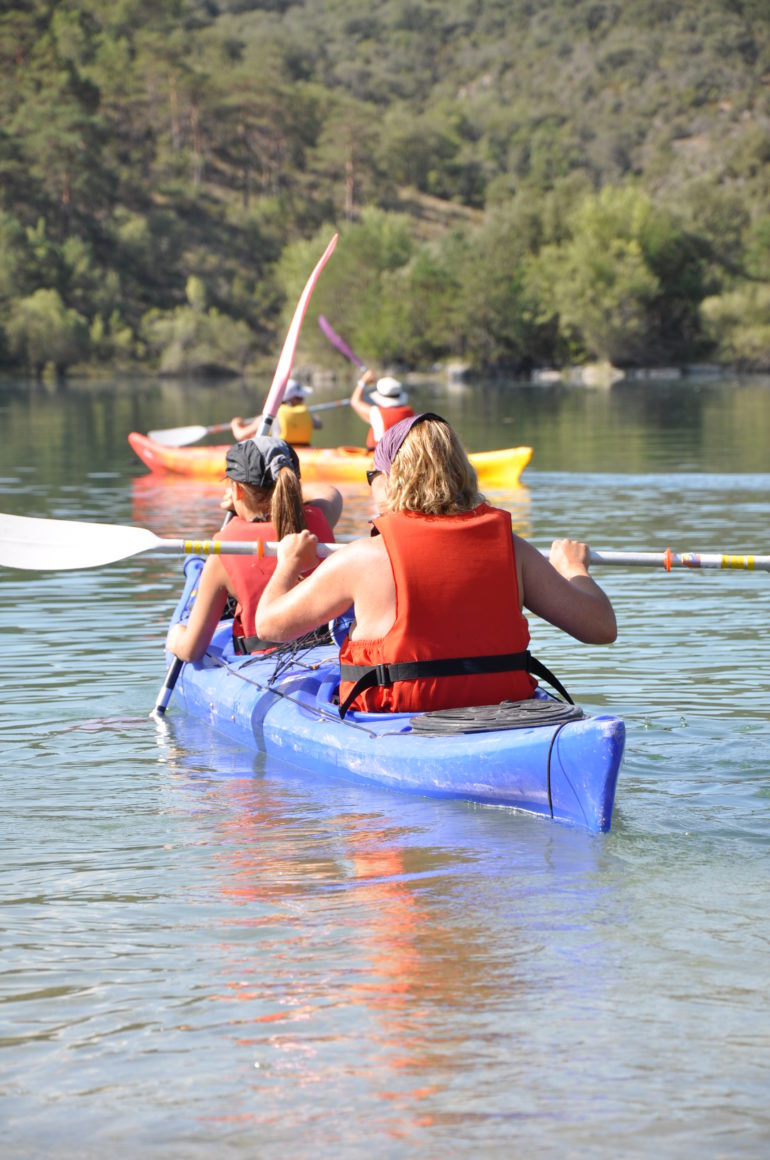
x,y
251,644
383,675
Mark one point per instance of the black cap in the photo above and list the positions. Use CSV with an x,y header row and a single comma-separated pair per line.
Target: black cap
x,y
258,461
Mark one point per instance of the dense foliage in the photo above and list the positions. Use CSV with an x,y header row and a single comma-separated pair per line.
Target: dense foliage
x,y
516,183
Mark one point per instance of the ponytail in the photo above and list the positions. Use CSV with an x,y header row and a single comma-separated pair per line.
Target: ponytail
x,y
287,511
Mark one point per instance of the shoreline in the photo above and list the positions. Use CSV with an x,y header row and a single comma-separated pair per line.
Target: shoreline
x,y
590,375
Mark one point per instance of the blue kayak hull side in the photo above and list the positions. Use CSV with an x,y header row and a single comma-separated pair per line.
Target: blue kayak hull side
x,y
566,772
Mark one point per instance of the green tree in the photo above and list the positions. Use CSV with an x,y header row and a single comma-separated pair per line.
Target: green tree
x,y
496,313
349,157
758,247
17,261
598,284
56,118
193,340
42,330
738,323
416,310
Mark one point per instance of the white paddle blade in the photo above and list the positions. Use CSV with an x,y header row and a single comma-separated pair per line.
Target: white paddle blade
x,y
39,545
178,436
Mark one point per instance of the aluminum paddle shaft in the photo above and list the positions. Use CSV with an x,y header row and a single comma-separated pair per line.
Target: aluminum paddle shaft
x,y
692,560
42,545
668,560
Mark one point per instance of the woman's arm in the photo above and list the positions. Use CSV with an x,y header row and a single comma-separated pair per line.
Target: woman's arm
x,y
189,641
244,429
287,609
361,408
325,497
561,591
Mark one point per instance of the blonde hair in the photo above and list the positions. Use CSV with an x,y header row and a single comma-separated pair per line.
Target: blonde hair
x,y
432,474
283,500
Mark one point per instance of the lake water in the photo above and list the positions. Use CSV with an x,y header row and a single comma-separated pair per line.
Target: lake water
x,y
201,958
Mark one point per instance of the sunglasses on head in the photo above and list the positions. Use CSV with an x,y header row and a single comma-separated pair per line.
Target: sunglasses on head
x,y
372,474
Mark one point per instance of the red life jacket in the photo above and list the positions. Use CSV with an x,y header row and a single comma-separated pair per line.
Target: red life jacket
x,y
249,575
457,600
390,416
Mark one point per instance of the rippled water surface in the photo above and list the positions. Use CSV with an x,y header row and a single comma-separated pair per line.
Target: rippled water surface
x,y
202,956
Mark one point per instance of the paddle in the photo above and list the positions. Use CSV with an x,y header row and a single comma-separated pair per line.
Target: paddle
x,y
338,342
283,370
64,545
181,436
275,394
42,545
328,406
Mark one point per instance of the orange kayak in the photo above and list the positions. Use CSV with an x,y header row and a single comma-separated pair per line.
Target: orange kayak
x,y
329,464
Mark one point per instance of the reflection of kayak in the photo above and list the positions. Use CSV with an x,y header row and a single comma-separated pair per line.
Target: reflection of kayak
x,y
282,706
332,464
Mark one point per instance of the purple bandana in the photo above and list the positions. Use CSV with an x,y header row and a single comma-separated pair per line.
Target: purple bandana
x,y
388,447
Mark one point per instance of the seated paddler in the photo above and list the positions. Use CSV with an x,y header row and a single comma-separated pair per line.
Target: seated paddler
x,y
263,490
438,590
294,422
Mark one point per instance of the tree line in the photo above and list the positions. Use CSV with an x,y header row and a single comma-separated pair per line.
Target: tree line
x,y
515,184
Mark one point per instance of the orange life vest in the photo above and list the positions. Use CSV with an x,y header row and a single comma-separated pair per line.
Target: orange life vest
x,y
459,637
390,416
249,575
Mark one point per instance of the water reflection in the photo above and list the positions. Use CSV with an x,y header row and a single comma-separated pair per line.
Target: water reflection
x,y
175,506
372,939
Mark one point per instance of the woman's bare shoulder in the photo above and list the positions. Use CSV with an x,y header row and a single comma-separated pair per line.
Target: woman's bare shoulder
x,y
367,548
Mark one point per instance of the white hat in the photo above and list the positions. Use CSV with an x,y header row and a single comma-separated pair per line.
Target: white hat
x,y
389,393
295,390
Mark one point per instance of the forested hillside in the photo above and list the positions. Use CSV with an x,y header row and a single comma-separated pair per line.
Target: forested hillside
x,y
516,182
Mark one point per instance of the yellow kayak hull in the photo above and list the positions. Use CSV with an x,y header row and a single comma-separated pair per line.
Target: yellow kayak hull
x,y
328,464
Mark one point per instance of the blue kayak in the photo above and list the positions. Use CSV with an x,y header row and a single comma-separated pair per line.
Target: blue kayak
x,y
555,762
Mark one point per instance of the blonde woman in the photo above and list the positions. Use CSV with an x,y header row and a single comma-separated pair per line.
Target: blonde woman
x,y
438,594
